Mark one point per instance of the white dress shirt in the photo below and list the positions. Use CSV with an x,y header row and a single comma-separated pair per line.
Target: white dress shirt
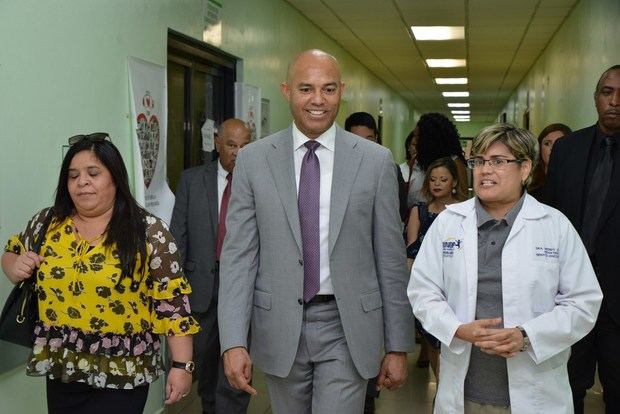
x,y
325,154
221,185
405,170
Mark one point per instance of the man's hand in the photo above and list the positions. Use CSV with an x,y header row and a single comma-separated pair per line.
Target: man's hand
x,y
238,369
393,373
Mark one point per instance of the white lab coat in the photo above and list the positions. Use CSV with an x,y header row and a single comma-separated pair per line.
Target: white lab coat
x,y
548,287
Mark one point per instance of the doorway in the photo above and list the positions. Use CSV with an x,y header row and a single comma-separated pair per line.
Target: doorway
x,y
201,82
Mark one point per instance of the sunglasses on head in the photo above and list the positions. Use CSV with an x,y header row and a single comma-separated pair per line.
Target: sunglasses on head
x,y
94,137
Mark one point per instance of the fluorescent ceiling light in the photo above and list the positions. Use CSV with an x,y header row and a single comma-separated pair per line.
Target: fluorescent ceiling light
x,y
458,105
455,94
462,120
438,32
446,63
451,81
460,112
461,116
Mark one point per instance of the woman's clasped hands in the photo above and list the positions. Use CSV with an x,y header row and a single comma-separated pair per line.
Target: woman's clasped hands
x,y
483,333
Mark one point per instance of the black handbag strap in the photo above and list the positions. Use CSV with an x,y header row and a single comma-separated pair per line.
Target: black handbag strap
x,y
36,248
39,240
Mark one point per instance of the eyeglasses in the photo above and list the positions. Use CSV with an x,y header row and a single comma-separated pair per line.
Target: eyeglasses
x,y
495,163
94,137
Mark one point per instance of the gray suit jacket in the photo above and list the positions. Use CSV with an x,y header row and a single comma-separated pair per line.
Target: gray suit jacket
x,y
261,274
194,227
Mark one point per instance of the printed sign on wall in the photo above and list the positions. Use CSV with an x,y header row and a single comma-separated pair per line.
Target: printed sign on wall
x,y
248,107
147,86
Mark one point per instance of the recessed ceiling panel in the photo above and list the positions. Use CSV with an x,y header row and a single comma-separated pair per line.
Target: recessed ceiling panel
x,y
503,40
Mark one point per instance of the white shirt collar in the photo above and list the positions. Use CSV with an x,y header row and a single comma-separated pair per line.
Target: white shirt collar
x,y
327,139
220,170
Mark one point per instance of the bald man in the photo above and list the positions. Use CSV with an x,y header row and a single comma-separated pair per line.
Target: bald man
x,y
314,259
197,227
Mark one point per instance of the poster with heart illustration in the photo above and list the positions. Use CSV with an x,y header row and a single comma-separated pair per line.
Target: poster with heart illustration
x,y
248,107
147,86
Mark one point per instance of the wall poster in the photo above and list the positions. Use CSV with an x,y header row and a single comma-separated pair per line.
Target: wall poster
x,y
248,107
149,111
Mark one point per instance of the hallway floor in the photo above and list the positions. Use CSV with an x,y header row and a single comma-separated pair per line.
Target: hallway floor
x,y
415,397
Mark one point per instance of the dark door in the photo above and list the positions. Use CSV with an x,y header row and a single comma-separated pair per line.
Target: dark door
x,y
200,87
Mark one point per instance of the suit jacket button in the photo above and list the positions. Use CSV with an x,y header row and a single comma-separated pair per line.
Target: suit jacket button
x,y
301,262
300,301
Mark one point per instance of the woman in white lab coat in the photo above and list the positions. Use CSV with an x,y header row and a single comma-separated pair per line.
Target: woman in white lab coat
x,y
505,284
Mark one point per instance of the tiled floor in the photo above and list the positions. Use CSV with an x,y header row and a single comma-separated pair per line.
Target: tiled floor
x,y
415,397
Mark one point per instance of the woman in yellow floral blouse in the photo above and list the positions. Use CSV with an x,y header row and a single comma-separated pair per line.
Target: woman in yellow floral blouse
x,y
108,284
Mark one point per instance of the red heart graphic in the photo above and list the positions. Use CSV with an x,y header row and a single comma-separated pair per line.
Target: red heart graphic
x,y
148,139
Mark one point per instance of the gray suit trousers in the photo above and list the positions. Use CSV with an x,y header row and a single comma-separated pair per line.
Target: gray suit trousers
x,y
216,394
323,378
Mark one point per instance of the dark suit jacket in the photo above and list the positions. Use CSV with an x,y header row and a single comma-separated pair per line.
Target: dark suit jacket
x,y
565,190
194,226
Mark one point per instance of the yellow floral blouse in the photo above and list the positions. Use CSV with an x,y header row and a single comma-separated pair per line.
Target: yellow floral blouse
x,y
93,328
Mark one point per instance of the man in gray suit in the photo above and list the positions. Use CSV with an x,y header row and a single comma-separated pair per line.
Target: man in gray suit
x,y
314,259
197,227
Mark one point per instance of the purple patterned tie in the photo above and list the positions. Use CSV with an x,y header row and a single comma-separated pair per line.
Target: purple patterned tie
x,y
308,203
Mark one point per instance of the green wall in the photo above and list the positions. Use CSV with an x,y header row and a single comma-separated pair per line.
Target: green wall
x,y
63,71
560,85
268,36
470,129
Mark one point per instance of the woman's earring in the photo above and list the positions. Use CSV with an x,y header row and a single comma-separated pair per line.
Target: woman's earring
x,y
453,190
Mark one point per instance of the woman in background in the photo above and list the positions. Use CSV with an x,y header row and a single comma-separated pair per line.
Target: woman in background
x,y
548,136
437,137
108,284
441,189
416,175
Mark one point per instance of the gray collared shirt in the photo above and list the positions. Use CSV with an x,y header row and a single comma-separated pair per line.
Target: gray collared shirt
x,y
487,377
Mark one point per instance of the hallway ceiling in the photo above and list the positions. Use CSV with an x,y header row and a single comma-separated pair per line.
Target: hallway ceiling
x,y
503,39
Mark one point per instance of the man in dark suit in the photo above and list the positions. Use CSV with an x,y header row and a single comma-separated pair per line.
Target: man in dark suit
x,y
197,226
584,183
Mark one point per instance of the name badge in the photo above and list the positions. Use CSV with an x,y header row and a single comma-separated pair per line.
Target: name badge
x,y
450,245
546,253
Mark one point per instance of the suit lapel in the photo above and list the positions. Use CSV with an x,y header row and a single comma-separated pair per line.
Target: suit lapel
x,y
613,194
282,167
210,188
347,160
576,172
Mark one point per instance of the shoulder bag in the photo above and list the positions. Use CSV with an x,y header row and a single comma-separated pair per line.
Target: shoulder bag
x,y
21,309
